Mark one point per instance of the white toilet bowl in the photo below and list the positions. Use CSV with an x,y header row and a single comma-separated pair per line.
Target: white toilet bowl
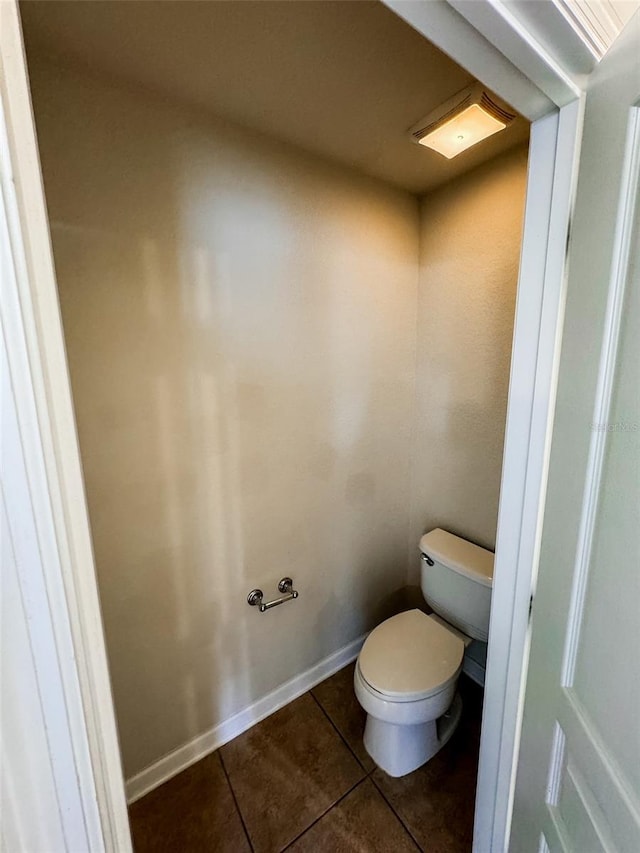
x,y
405,679
406,674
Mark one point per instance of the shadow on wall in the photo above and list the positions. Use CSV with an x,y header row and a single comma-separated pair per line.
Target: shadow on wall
x,y
240,327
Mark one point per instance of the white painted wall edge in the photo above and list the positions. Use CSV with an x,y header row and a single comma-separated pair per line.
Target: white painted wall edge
x,y
182,757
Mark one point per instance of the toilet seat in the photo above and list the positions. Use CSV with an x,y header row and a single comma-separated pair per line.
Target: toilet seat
x,y
410,657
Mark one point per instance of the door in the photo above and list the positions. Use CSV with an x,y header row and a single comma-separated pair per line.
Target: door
x,y
578,777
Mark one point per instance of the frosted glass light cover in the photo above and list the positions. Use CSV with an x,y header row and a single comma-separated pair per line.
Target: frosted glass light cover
x,y
465,129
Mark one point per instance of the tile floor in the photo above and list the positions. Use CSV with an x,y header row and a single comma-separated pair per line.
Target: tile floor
x,y
302,781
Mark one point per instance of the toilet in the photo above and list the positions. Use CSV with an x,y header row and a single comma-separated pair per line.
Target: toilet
x,y
407,671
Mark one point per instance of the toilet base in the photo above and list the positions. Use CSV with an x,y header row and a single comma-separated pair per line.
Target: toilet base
x,y
400,749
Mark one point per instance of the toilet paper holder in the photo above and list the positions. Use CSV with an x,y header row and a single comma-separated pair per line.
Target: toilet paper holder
x,y
285,586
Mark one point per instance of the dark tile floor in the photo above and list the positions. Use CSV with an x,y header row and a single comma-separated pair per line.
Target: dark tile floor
x,y
301,781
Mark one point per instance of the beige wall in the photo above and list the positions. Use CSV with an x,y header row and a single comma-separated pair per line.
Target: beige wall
x,y
241,330
469,254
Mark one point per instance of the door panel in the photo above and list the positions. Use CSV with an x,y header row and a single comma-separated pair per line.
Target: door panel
x,y
602,667
578,779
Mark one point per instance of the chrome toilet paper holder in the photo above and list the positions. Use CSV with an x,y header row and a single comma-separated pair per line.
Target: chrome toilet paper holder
x,y
285,586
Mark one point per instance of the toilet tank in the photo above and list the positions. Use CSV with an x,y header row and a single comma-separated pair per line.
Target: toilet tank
x,y
456,580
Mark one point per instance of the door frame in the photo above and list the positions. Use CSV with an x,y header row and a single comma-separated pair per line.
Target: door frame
x,y
64,624
489,41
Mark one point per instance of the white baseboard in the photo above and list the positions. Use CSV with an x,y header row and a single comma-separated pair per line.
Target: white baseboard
x,y
172,763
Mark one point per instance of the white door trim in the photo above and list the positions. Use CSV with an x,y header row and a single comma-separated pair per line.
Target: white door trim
x,y
512,34
530,401
533,383
460,39
38,375
42,684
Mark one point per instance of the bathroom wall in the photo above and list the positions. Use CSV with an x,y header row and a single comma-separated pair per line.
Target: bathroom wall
x,y
240,327
469,255
279,368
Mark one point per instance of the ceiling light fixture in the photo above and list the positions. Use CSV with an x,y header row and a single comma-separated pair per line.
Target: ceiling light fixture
x,y
464,120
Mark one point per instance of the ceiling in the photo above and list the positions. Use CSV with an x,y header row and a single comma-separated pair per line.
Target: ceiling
x,y
344,80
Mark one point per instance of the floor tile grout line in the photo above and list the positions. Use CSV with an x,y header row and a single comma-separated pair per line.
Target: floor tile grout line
x,y
235,801
340,735
390,804
324,813
369,774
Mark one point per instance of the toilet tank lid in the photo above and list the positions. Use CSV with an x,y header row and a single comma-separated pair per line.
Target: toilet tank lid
x,y
463,557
